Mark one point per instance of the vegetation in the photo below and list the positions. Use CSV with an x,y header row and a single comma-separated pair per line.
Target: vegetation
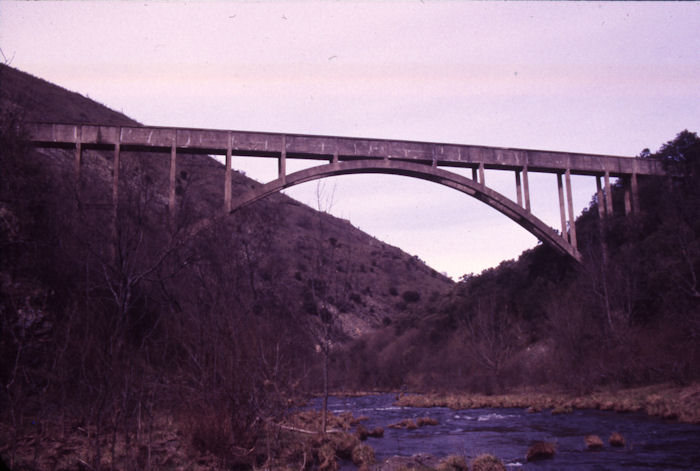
x,y
118,328
540,451
627,317
664,400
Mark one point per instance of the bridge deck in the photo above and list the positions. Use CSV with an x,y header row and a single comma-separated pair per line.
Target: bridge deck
x,y
210,141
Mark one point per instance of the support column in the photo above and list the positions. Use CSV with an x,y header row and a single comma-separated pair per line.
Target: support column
x,y
635,194
608,194
601,198
115,174
78,154
475,175
628,202
227,182
482,177
282,161
335,153
518,189
526,188
115,197
570,203
77,184
173,169
562,211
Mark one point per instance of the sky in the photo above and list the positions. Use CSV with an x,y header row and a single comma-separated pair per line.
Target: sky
x,y
594,77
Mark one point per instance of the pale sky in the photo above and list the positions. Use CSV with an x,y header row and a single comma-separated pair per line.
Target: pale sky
x,y
607,78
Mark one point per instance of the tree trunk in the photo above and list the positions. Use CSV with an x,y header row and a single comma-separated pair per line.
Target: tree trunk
x,y
325,390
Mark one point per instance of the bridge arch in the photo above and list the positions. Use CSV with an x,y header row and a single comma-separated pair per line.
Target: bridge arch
x,y
453,180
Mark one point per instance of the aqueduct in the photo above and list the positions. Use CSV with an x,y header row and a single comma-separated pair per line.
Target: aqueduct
x,y
344,155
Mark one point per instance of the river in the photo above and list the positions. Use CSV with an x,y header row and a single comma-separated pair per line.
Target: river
x,y
651,443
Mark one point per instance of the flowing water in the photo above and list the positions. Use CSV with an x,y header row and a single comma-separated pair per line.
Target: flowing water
x,y
651,443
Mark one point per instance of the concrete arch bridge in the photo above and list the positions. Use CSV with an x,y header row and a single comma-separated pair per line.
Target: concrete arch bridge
x,y
344,155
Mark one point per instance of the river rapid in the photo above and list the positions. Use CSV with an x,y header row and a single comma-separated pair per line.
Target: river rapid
x,y
651,443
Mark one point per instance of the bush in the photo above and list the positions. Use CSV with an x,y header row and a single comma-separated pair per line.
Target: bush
x,y
411,296
363,455
487,462
453,463
593,442
616,439
540,450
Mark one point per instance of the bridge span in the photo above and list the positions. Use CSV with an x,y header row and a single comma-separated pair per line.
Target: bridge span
x,y
346,155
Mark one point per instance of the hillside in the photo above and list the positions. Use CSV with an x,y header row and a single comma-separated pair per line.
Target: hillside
x,y
374,274
120,319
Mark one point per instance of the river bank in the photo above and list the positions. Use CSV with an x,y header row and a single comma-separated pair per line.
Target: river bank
x,y
175,443
671,402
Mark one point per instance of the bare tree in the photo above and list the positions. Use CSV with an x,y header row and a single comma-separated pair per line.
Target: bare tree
x,y
491,336
324,282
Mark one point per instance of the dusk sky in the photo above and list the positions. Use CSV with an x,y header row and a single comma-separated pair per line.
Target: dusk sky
x,y
606,78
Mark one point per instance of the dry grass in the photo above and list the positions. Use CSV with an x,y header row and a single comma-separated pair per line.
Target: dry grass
x,y
667,401
593,442
168,443
408,424
540,451
452,463
423,421
326,458
487,463
616,439
363,432
193,443
363,455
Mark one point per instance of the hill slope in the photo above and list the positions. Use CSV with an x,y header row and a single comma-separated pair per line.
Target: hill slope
x,y
116,318
374,274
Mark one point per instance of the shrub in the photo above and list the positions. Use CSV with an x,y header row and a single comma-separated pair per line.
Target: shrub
x,y
362,432
452,463
304,222
363,455
593,442
326,458
540,451
487,462
616,439
411,296
422,421
344,443
408,424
